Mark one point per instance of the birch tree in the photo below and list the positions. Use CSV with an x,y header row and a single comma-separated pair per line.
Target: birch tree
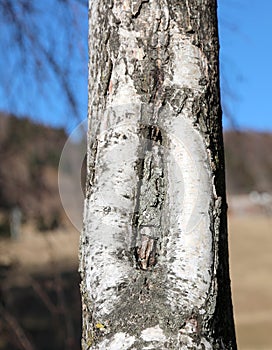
x,y
154,254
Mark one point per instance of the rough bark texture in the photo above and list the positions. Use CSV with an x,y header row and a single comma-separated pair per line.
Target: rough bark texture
x,y
154,256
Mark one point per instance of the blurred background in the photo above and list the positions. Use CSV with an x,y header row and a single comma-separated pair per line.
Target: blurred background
x,y
43,109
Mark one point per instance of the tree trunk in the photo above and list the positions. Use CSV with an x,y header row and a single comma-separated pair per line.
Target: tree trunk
x,y
154,254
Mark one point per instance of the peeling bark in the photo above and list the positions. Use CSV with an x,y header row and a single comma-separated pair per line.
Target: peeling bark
x,y
154,255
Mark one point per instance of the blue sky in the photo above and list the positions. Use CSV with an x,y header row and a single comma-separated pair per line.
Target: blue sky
x,y
245,65
246,69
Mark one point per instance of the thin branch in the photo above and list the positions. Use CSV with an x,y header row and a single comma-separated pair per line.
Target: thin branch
x,y
17,329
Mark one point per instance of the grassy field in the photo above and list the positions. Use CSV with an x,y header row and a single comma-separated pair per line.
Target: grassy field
x,y
251,273
250,258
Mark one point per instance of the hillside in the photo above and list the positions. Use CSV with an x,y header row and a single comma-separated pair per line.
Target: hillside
x,y
29,157
248,161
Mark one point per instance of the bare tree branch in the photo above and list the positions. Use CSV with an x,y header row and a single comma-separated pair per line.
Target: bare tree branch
x,y
43,46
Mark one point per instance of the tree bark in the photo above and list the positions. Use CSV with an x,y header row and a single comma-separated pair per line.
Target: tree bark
x,y
154,253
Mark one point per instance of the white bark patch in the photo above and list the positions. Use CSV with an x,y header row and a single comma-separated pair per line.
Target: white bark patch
x,y
122,86
187,342
123,90
189,64
153,334
120,341
186,68
189,248
108,216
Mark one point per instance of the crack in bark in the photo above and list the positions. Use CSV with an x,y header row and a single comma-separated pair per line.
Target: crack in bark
x,y
137,6
108,77
146,254
150,197
92,168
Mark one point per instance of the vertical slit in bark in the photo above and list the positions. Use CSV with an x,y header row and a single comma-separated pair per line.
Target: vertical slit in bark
x,y
92,167
108,78
150,196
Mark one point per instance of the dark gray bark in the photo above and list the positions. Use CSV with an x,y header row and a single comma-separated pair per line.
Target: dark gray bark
x,y
154,249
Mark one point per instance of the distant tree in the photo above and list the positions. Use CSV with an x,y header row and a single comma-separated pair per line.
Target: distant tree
x,y
154,249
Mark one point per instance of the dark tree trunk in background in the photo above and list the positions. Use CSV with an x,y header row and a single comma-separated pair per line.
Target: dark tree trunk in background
x,y
154,249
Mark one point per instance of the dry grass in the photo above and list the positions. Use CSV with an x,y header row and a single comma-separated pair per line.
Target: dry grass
x,y
36,253
251,266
